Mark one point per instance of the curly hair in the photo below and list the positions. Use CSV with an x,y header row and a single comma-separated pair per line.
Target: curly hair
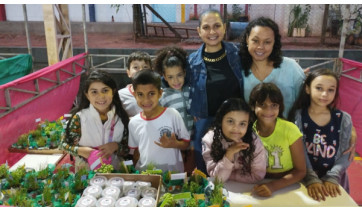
x,y
275,56
217,151
169,57
303,100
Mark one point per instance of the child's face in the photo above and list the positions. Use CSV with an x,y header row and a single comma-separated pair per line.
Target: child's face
x,y
267,112
137,65
100,96
322,90
147,97
175,77
234,125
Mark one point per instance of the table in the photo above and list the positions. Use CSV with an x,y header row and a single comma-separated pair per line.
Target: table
x,y
37,162
296,195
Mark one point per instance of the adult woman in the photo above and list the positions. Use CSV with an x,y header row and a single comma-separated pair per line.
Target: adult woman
x,y
262,61
214,75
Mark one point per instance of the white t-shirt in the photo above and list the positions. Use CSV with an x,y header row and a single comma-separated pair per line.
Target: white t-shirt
x,y
143,132
129,102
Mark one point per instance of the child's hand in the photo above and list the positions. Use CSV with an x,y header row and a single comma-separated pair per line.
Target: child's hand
x,y
332,188
235,148
262,190
84,151
317,191
167,142
107,149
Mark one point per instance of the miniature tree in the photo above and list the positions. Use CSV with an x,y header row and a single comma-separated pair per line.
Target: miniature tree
x,y
15,177
46,196
4,171
31,182
80,181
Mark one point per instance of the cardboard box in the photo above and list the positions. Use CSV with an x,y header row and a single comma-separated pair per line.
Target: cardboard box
x,y
155,180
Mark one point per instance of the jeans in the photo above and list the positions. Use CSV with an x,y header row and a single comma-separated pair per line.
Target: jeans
x,y
201,127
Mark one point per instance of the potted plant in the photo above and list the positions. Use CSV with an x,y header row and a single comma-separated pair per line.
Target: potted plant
x,y
298,20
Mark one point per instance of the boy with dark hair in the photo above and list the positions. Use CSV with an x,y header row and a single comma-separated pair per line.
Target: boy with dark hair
x,y
136,61
157,134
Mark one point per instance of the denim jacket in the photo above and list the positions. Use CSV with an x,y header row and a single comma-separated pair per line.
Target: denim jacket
x,y
196,75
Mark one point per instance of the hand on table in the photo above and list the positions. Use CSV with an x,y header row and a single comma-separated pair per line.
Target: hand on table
x,y
317,191
262,190
332,189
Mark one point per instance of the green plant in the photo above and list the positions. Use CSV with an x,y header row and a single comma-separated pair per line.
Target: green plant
x,y
105,168
15,177
167,200
43,174
192,202
80,181
19,198
41,141
22,140
4,171
31,182
66,196
298,17
216,195
47,196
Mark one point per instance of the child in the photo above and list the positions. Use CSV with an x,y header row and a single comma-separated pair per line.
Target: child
x,y
326,134
230,148
157,134
170,63
281,138
99,122
136,62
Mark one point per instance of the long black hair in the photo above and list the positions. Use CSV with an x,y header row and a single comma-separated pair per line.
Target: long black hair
x,y
105,78
275,56
303,100
217,152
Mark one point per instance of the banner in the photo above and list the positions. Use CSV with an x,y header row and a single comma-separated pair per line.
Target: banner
x,y
44,94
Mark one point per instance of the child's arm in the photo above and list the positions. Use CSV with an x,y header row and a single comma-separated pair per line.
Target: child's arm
x,y
70,143
297,173
352,145
258,166
136,156
223,168
172,142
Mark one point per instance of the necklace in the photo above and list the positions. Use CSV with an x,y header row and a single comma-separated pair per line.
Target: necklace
x,y
213,60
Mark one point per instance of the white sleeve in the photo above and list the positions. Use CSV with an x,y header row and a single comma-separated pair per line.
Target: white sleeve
x,y
180,127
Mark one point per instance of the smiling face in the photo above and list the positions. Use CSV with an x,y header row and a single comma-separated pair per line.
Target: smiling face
x,y
234,125
260,43
267,111
100,96
137,65
211,31
322,90
175,77
147,97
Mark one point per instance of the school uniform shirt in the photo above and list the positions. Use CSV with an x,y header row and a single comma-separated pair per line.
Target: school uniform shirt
x,y
278,145
144,132
226,170
324,147
129,102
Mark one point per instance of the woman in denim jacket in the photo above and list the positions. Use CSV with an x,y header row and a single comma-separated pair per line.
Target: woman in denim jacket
x,y
214,75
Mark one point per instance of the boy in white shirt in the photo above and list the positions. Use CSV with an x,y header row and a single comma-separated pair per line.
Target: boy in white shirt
x,y
136,62
157,134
